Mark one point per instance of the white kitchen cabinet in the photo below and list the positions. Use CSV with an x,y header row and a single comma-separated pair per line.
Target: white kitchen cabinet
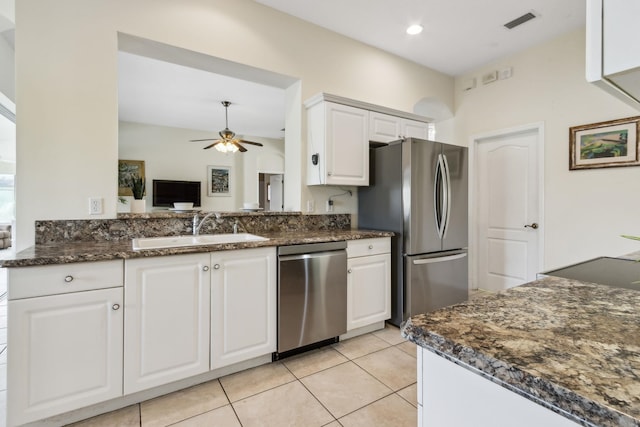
x,y
387,128
613,48
65,350
338,145
167,306
243,305
368,281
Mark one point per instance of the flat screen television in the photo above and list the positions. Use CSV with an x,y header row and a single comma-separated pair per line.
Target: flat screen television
x,y
167,192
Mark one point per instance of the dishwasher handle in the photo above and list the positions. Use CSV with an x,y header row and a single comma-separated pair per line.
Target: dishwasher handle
x,y
311,248
312,255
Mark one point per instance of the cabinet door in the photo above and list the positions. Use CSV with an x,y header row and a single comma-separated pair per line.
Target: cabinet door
x,y
65,352
415,129
243,305
383,127
368,290
166,336
347,145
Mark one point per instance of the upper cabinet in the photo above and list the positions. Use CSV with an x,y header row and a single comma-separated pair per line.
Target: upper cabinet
x,y
613,48
339,131
338,145
387,128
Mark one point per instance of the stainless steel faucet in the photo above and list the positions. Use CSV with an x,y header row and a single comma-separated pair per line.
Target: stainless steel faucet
x,y
197,223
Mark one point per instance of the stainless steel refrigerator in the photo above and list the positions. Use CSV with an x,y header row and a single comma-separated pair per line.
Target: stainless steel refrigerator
x,y
418,190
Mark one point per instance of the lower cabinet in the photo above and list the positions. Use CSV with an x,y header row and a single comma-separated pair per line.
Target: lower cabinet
x,y
368,281
243,305
188,314
64,352
167,305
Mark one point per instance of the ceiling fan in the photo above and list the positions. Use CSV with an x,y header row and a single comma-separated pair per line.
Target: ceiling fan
x,y
228,143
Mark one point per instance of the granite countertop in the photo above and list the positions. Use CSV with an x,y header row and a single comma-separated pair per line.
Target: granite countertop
x,y
570,346
48,254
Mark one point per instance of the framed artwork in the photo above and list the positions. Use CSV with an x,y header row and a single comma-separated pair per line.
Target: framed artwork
x,y
605,145
219,181
128,169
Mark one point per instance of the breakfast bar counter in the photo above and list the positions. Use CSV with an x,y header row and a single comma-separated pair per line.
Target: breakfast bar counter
x,y
571,347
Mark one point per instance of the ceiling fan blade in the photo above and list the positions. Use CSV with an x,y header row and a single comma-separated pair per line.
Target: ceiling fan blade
x,y
200,140
212,145
252,143
240,147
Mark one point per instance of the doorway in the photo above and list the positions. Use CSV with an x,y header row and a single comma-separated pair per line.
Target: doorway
x,y
271,191
507,207
7,172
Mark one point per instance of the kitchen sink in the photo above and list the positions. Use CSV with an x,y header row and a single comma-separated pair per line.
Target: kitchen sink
x,y
199,240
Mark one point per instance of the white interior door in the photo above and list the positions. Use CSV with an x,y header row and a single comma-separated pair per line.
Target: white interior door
x,y
507,209
276,198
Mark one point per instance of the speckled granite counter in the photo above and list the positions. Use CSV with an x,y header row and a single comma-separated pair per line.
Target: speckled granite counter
x,y
570,346
60,253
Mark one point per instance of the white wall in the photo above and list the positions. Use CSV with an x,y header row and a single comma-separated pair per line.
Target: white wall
x,y
7,69
168,155
66,84
586,210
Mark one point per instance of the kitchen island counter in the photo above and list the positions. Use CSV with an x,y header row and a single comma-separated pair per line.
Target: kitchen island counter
x,y
570,346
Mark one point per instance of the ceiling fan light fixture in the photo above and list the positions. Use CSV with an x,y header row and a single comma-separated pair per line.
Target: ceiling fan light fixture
x,y
226,147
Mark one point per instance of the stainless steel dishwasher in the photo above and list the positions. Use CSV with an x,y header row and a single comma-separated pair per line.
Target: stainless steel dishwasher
x,y
312,296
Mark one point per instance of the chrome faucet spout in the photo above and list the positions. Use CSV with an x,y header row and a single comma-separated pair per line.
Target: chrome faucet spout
x,y
198,223
235,227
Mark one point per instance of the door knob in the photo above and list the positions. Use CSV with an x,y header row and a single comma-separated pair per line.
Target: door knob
x,y
533,225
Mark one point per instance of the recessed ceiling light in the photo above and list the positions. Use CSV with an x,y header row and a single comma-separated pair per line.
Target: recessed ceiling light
x,y
414,29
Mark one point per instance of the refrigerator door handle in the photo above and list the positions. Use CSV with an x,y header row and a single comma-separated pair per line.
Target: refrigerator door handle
x,y
447,184
440,195
438,259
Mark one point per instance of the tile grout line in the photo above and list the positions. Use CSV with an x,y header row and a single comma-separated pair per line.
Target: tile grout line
x,y
313,395
233,408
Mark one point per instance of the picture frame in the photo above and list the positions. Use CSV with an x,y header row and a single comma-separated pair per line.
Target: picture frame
x,y
128,169
615,143
219,181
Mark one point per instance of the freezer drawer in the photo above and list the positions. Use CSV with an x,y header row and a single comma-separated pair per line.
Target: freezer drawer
x,y
435,280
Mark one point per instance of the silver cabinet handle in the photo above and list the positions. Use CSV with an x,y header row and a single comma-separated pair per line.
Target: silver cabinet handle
x,y
349,271
533,225
370,246
216,267
68,279
115,306
205,268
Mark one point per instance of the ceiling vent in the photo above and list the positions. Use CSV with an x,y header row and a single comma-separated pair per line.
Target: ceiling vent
x,y
520,20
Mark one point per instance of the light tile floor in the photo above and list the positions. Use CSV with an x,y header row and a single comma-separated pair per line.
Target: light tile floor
x,y
365,381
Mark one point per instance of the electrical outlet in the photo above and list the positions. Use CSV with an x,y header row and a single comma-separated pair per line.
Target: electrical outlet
x,y
311,205
329,205
95,205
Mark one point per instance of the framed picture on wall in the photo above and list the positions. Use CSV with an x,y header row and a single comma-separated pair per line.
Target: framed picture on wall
x,y
128,169
605,145
219,181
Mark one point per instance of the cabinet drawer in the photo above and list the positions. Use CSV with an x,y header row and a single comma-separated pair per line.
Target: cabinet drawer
x,y
364,247
27,282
